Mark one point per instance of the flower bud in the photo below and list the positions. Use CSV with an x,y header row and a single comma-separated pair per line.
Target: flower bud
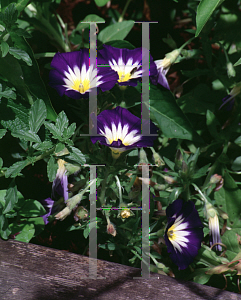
x,y
169,179
111,229
158,160
230,70
81,213
63,214
178,159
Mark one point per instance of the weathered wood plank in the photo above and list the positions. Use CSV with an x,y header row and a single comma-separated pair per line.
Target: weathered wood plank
x,y
31,272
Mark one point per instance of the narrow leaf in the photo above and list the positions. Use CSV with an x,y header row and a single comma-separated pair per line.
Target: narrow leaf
x,y
10,199
204,11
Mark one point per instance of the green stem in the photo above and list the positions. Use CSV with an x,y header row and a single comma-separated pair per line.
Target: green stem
x,y
103,188
187,42
37,158
124,11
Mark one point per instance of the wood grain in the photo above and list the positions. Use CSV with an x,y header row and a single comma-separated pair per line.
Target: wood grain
x,y
32,272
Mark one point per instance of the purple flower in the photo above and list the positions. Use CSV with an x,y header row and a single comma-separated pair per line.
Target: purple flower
x,y
127,63
75,77
162,71
59,192
184,232
214,232
60,183
121,130
48,204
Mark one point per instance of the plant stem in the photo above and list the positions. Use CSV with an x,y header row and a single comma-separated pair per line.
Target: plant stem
x,y
37,158
103,188
124,11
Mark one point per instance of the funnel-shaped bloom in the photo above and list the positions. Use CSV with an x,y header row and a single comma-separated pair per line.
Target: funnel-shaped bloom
x,y
127,63
184,232
121,130
213,222
162,70
75,77
59,192
60,183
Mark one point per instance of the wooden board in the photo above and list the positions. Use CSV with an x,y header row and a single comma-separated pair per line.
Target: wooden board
x,y
32,272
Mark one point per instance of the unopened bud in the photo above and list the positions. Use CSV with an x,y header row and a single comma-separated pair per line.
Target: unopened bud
x,y
218,180
81,213
111,229
171,57
143,159
63,214
159,187
158,160
210,211
230,70
223,214
169,179
179,159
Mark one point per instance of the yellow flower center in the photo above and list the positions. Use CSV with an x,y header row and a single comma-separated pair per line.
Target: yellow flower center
x,y
171,233
81,86
123,77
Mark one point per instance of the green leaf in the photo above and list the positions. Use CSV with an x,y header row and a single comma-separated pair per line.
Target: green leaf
x,y
62,122
70,131
10,15
4,229
37,115
10,198
32,76
26,135
166,112
8,93
20,54
22,4
213,124
4,48
170,164
237,63
89,18
1,163
111,246
230,239
117,31
236,165
204,11
32,208
197,101
22,32
54,130
52,168
76,155
201,172
26,234
15,169
120,44
101,2
228,198
2,132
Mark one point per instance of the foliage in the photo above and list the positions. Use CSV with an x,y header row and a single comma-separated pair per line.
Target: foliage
x,y
195,157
